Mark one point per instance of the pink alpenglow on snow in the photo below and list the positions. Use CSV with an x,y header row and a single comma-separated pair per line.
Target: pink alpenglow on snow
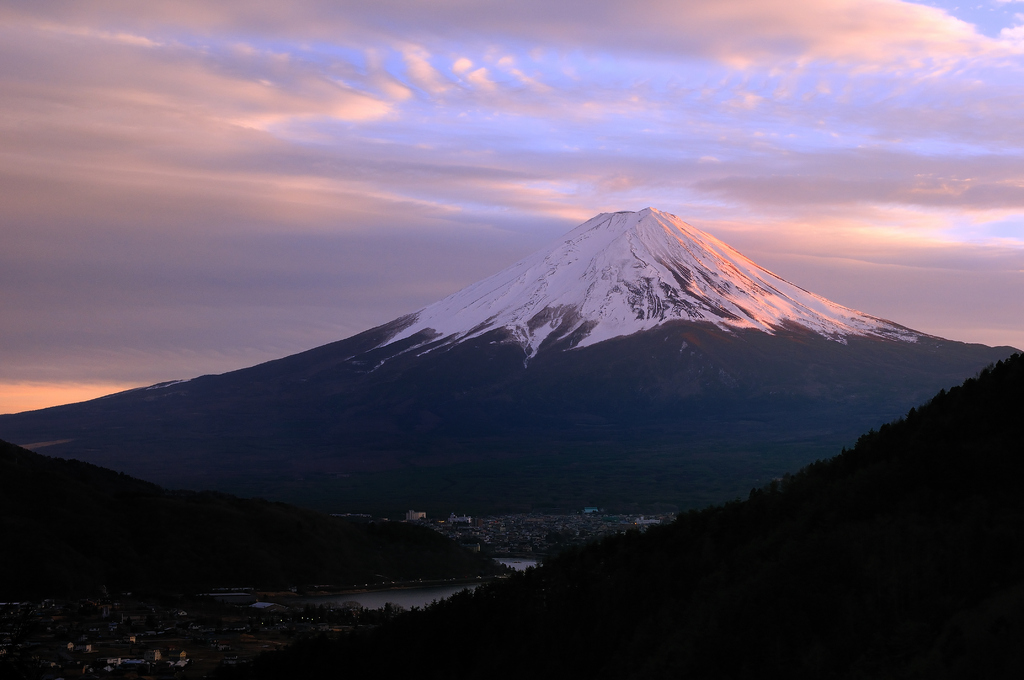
x,y
625,272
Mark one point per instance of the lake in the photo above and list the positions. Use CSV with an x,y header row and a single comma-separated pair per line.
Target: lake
x,y
411,597
406,597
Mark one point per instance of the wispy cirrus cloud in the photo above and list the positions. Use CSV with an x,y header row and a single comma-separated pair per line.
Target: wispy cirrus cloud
x,y
737,31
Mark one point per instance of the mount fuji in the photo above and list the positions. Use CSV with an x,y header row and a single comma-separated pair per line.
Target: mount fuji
x,y
637,362
622,273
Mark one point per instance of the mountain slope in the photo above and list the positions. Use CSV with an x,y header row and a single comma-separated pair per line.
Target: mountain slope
x,y
68,528
622,273
902,557
635,342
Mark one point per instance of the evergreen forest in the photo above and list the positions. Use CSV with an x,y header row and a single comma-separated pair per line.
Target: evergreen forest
x,y
68,527
901,557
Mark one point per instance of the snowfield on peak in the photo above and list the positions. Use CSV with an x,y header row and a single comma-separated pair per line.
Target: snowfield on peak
x,y
621,273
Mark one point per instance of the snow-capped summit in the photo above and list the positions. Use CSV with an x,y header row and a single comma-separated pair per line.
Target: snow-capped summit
x,y
625,272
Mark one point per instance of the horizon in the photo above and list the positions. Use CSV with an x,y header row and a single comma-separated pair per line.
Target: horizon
x,y
192,190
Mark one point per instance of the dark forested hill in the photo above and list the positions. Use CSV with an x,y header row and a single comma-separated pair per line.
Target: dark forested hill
x,y
903,557
67,527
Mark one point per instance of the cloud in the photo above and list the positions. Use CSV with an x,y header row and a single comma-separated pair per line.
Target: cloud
x,y
841,178
423,73
736,31
1014,34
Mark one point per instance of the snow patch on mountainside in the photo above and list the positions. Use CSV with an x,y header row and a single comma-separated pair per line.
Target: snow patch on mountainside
x,y
622,273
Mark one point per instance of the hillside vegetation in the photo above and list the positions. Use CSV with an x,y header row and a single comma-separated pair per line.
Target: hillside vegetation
x,y
903,557
68,527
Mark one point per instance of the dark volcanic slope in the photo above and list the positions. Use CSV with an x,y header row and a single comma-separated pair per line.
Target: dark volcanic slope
x,y
901,558
349,408
632,361
69,527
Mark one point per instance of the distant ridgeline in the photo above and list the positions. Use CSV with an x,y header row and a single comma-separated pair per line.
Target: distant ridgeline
x,y
68,527
903,557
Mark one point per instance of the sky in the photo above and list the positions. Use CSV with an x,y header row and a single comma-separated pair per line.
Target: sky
x,y
195,187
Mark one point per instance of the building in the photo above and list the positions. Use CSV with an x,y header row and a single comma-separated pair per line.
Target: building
x,y
414,515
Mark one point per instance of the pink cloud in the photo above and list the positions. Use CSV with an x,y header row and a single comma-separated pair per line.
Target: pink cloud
x,y
737,31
